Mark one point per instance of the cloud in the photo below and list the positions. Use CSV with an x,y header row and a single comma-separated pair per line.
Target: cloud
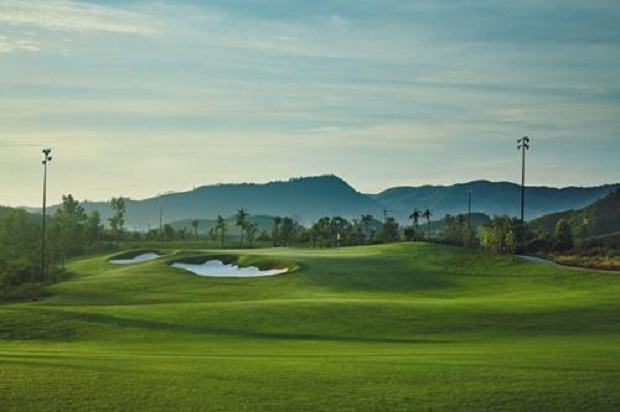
x,y
8,45
365,89
66,15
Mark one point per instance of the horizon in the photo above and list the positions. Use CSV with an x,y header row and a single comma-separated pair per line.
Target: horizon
x,y
137,98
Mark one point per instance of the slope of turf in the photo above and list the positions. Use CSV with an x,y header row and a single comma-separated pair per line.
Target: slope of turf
x,y
397,327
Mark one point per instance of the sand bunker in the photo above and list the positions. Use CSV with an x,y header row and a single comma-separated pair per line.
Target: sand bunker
x,y
217,268
145,257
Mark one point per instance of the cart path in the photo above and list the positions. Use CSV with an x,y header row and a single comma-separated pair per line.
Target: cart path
x,y
541,261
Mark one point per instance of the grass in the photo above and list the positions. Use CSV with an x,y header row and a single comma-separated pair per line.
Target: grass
x,y
377,328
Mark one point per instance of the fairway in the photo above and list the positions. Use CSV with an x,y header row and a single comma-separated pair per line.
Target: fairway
x,y
400,327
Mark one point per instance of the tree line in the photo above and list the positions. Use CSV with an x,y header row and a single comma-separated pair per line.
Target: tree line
x,y
73,232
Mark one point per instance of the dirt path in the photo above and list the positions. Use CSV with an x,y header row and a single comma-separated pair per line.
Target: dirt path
x,y
541,261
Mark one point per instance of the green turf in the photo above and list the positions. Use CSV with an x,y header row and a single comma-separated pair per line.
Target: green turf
x,y
397,327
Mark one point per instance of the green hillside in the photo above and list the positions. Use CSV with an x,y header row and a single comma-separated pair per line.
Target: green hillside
x,y
396,327
600,220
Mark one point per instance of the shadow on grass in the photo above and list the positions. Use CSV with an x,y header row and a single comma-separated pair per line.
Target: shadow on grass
x,y
103,319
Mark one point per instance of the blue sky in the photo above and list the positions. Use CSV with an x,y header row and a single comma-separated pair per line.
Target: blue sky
x,y
141,97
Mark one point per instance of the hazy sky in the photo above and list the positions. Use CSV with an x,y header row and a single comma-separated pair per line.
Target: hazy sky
x,y
140,97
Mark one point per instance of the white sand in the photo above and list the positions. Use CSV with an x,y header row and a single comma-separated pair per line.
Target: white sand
x,y
145,257
216,268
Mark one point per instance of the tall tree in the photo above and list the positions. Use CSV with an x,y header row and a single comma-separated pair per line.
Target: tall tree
x,y
117,221
415,217
68,228
220,226
241,216
427,215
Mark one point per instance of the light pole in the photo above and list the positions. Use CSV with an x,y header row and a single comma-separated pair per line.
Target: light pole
x,y
46,159
160,212
523,144
161,209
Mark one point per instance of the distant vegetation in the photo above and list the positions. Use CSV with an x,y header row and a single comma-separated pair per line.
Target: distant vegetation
x,y
586,237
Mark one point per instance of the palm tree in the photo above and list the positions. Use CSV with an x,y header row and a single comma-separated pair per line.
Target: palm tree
x,y
241,217
415,216
427,214
366,221
195,227
220,226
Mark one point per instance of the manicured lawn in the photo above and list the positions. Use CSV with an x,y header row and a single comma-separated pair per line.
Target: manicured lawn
x,y
397,327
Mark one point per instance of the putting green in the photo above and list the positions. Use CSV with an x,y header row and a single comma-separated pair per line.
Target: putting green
x,y
394,327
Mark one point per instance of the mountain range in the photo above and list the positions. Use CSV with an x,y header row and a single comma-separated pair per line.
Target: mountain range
x,y
491,198
310,198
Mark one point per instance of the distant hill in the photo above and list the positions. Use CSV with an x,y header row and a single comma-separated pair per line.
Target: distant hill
x,y
310,198
599,220
491,198
305,199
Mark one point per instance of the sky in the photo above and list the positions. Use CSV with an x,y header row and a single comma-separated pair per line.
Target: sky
x,y
137,98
